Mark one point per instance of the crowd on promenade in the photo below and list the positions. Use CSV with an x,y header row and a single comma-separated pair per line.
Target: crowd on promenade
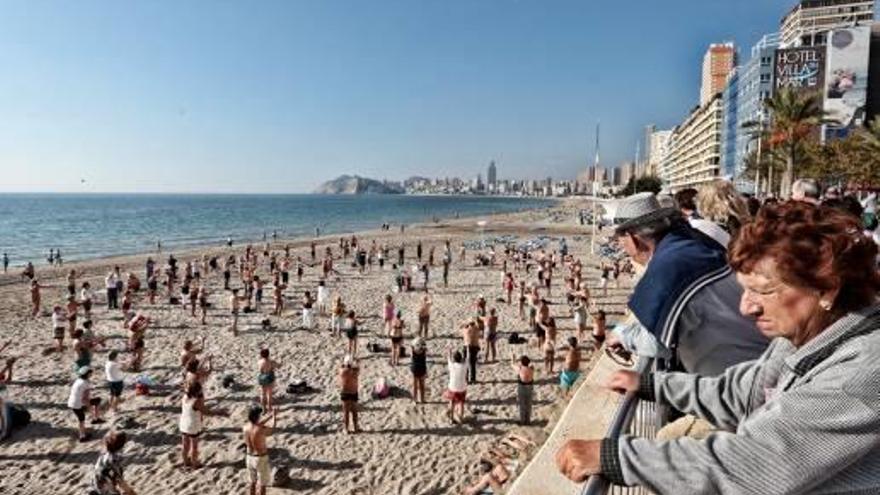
x,y
273,282
763,324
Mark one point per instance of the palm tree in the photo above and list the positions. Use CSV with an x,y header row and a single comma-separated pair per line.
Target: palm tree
x,y
795,117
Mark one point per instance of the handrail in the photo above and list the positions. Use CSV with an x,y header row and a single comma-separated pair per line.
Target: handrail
x,y
621,423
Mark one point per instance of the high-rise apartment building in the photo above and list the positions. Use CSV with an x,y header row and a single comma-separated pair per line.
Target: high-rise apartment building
x,y
695,150
808,22
744,109
658,150
719,61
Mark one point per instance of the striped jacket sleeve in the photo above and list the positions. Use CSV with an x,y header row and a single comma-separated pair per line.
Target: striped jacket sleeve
x,y
801,439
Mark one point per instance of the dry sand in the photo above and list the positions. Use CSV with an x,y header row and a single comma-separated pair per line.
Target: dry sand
x,y
405,448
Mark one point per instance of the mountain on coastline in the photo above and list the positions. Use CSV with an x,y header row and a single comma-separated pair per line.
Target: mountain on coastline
x,y
353,184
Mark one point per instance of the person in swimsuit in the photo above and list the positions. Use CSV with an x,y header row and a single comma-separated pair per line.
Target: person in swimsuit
x,y
470,334
419,367
234,307
278,295
424,316
115,379
396,335
337,315
348,385
72,310
490,325
350,326
257,462
192,413
307,302
580,316
572,370
82,350
85,299
35,296
525,373
59,323
549,350
388,312
456,391
266,378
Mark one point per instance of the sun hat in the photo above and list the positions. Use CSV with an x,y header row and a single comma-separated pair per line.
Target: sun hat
x,y
640,209
419,343
83,370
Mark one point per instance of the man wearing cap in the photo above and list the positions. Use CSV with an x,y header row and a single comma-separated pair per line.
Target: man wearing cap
x,y
688,298
80,398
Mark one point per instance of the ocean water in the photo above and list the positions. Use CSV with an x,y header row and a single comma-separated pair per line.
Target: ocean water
x,y
85,226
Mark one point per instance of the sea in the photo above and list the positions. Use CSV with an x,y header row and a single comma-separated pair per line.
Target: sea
x,y
89,226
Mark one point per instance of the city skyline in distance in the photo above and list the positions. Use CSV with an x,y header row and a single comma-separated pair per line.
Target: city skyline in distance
x,y
158,98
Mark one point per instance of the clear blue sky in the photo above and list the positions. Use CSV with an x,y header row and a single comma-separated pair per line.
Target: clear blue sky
x,y
264,96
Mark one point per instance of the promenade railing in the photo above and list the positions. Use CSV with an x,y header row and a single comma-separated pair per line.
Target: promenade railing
x,y
632,417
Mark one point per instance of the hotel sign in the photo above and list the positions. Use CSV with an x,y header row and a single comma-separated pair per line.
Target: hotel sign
x,y
800,68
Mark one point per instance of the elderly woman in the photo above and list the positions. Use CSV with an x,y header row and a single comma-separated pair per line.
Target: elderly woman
x,y
805,416
722,211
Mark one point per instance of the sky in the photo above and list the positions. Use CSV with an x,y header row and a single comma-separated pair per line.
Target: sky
x,y
279,96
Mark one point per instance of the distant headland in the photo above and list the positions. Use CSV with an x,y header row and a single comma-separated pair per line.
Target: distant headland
x,y
353,184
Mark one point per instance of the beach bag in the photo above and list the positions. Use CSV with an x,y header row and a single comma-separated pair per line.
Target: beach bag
x,y
266,323
515,339
228,381
374,347
298,387
141,389
19,417
280,477
382,389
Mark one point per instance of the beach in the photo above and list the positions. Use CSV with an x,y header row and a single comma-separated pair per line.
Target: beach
x,y
404,447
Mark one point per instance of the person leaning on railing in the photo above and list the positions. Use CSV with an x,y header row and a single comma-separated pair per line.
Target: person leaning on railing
x,y
805,416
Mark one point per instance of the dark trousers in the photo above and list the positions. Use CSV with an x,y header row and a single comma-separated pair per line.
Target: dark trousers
x,y
473,352
112,298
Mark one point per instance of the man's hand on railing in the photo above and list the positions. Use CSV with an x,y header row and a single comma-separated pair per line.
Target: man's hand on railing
x,y
624,381
579,459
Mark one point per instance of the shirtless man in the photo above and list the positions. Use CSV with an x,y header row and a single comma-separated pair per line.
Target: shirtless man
x,y
490,324
255,432
470,334
348,385
266,378
190,352
424,316
234,306
572,370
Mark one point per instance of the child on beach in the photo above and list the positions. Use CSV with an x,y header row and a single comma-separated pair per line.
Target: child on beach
x,y
419,368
